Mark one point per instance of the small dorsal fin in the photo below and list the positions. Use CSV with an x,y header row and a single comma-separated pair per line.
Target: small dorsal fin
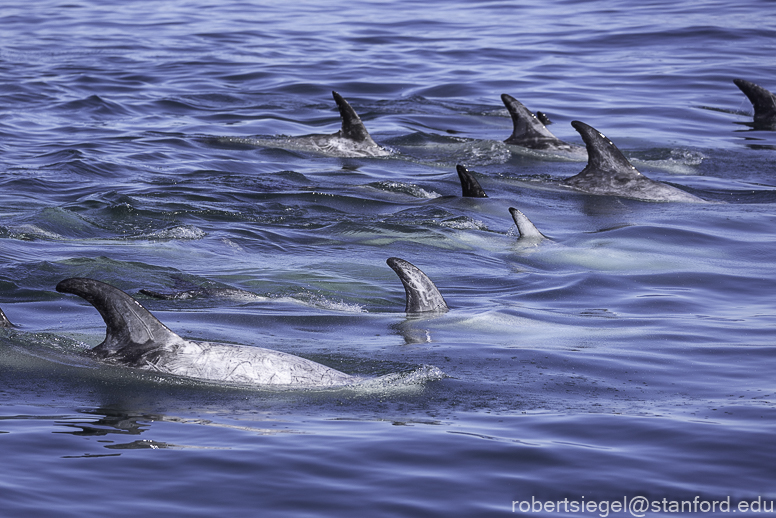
x,y
4,322
527,229
763,101
422,295
352,127
528,131
469,184
131,328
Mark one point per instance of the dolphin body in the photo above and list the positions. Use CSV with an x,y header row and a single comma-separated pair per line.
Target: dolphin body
x,y
609,173
763,101
134,337
352,140
529,131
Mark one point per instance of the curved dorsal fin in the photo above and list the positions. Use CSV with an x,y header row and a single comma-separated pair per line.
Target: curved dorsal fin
x,y
422,295
528,131
352,127
764,102
527,229
469,184
131,328
602,154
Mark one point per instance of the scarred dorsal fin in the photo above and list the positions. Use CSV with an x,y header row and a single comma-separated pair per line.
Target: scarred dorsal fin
x,y
763,101
469,184
131,329
352,127
527,229
528,131
422,295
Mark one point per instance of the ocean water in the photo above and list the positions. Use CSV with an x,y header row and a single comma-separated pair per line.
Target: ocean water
x,y
625,366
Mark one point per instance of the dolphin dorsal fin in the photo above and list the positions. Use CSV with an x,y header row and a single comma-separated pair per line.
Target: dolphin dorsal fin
x,y
422,295
469,184
130,326
528,131
764,102
4,322
527,229
352,127
603,157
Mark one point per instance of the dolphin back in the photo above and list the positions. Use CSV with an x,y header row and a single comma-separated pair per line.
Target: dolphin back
x,y
352,127
130,328
422,295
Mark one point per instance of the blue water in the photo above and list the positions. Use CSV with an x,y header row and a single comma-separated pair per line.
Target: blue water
x,y
632,355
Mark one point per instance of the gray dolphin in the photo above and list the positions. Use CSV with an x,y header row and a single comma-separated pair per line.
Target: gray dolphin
x,y
609,173
527,230
763,101
422,295
351,140
529,131
134,337
469,184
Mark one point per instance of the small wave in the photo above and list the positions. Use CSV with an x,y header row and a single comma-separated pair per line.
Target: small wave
x,y
405,188
464,223
396,380
185,232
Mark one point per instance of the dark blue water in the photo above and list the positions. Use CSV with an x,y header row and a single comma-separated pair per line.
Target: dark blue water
x,y
632,355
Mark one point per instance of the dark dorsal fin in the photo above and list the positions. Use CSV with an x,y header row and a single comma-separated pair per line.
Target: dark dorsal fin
x,y
764,102
130,327
422,295
527,229
352,127
543,118
602,155
528,129
469,184
4,322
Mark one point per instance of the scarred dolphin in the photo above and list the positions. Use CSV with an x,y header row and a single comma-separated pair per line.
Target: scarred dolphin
x,y
134,337
609,173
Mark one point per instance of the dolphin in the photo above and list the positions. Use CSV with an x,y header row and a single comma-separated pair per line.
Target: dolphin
x,y
422,295
609,173
764,102
134,337
527,230
469,184
530,132
351,140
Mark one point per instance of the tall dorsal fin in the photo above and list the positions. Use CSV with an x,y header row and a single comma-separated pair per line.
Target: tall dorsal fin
x,y
422,295
352,127
4,322
764,102
469,184
602,154
131,328
528,131
527,229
